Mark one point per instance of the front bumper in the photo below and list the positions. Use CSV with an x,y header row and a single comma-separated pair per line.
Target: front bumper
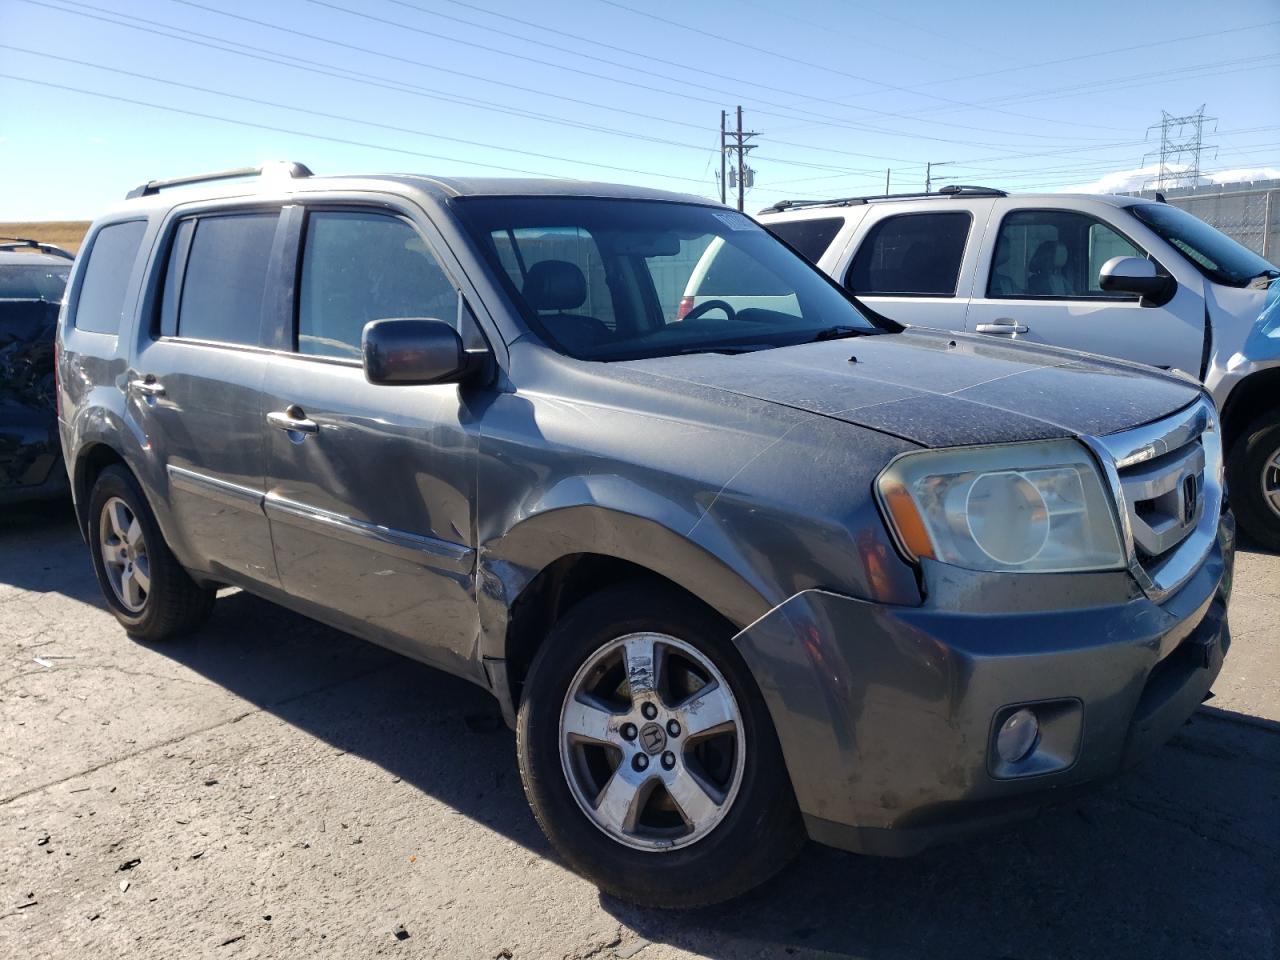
x,y
886,714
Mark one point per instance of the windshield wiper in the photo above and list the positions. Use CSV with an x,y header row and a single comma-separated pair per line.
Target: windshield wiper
x,y
838,333
1265,279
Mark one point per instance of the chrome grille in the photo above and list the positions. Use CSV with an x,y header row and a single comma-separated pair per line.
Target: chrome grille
x,y
1166,478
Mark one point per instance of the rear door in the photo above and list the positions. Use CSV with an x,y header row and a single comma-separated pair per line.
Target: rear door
x,y
371,496
195,388
1038,281
916,266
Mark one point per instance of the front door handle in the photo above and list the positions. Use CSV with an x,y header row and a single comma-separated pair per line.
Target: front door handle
x,y
147,386
292,419
1002,325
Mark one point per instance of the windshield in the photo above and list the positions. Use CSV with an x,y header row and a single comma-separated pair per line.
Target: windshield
x,y
623,279
1213,253
33,281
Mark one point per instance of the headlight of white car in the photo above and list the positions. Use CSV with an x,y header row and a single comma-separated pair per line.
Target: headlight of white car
x,y
1022,507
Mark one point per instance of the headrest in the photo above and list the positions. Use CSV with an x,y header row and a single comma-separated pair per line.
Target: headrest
x,y
555,285
1050,255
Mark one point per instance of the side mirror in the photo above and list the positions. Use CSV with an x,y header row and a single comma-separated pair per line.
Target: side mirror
x,y
415,350
1137,275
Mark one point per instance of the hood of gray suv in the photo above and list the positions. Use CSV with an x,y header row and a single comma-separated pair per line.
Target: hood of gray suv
x,y
943,389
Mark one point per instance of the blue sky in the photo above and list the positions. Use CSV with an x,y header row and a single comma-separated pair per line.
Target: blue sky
x,y
1019,95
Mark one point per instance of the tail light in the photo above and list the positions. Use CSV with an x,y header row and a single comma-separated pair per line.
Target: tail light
x,y
686,304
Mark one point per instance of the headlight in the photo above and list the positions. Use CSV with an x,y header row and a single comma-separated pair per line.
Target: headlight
x,y
1025,507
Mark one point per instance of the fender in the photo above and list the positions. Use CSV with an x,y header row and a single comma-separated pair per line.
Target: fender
x,y
615,516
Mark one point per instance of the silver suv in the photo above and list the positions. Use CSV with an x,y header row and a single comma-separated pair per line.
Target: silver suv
x,y
737,576
1131,278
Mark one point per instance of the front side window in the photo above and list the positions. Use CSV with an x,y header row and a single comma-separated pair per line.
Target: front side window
x,y
358,267
608,279
1054,254
810,238
1212,252
225,277
100,302
917,254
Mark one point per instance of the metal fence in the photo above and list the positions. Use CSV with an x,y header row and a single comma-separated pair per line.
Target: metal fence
x,y
1248,212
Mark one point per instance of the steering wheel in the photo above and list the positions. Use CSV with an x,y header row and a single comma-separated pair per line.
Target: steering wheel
x,y
703,307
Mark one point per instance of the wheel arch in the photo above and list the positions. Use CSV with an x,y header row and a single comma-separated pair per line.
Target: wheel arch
x,y
1249,399
542,567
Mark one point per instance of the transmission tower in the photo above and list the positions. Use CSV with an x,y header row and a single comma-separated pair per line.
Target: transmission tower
x,y
1181,143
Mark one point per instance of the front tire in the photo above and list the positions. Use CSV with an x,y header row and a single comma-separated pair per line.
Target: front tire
x,y
647,753
145,587
1253,480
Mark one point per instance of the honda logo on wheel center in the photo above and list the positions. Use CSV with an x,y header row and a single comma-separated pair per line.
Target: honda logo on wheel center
x,y
653,738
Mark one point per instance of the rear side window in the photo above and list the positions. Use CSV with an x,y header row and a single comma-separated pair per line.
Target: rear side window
x,y
100,302
219,293
809,237
358,267
916,254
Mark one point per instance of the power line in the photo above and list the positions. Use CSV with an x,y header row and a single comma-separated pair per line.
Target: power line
x,y
324,137
635,53
807,63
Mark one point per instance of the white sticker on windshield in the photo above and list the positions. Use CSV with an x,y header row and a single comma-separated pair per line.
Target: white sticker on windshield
x,y
735,221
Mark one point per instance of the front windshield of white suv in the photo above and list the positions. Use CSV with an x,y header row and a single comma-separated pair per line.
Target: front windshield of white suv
x,y
603,279
1213,253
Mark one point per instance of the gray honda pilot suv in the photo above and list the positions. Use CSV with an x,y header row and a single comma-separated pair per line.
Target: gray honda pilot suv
x,y
736,576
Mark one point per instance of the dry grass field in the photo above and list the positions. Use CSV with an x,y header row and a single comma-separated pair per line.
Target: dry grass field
x,y
64,233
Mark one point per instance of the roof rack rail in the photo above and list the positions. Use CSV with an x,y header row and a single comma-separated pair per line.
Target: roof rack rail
x,y
17,243
275,167
951,190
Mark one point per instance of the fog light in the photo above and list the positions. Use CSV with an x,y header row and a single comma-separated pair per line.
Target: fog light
x,y
1017,736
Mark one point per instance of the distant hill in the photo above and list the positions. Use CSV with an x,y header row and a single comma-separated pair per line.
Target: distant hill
x,y
67,234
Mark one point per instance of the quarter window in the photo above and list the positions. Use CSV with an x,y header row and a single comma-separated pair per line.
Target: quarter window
x,y
1054,254
219,295
358,267
100,302
810,238
916,254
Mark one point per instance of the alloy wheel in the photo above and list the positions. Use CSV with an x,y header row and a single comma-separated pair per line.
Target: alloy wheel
x,y
124,555
652,742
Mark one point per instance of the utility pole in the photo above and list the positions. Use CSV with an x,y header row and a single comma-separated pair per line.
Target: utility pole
x,y
928,174
741,173
887,171
723,159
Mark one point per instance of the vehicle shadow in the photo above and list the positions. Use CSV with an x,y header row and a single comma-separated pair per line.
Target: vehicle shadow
x,y
1179,858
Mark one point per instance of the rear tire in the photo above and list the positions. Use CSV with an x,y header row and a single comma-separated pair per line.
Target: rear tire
x,y
145,587
671,848
1253,480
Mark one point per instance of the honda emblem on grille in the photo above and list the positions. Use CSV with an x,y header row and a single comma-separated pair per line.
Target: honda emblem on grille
x,y
1189,498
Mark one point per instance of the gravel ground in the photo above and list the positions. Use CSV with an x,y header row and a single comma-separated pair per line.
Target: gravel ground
x,y
273,788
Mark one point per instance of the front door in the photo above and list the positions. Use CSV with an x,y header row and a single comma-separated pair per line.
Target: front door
x,y
1039,283
371,488
196,391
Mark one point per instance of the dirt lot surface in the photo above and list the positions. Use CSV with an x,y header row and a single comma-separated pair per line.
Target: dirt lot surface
x,y
271,788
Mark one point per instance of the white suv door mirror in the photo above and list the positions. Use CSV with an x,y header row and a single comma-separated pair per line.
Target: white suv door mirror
x,y
1137,275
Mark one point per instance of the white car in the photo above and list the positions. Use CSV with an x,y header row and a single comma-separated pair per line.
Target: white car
x,y
1121,276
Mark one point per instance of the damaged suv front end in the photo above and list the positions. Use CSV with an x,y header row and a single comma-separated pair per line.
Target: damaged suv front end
x,y
1073,615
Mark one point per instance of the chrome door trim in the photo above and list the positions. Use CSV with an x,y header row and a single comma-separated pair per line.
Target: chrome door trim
x,y
395,543
223,491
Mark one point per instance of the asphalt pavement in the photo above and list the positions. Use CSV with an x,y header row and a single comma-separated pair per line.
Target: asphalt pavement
x,y
269,787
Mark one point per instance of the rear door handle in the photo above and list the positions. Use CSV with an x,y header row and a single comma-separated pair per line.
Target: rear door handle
x,y
1002,325
148,387
292,419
